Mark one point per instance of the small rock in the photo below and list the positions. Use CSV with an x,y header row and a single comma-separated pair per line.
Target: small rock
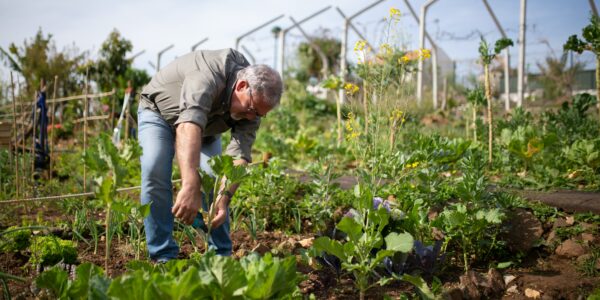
x,y
587,237
512,289
570,220
551,237
261,249
524,230
509,278
495,283
531,293
588,226
470,283
560,222
453,294
240,253
306,243
477,285
581,259
570,248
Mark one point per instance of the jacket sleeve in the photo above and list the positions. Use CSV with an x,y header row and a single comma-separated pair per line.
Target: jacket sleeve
x,y
198,92
243,135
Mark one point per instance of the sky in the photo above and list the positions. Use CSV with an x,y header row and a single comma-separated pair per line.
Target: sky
x,y
152,25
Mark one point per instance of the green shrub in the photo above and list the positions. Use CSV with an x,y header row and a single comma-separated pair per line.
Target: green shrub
x,y
50,250
15,240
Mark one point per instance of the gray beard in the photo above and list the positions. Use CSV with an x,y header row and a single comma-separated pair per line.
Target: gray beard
x,y
236,117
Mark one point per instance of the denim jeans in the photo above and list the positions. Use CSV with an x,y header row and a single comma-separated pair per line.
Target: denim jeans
x,y
157,140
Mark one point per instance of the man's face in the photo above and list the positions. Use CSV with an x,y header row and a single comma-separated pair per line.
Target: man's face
x,y
246,104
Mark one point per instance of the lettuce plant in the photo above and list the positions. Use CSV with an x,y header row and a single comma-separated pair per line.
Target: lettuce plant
x,y
203,277
50,250
15,239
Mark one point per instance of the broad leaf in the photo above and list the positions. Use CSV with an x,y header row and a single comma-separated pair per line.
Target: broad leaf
x,y
400,242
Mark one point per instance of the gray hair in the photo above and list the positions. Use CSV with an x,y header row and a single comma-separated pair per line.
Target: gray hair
x,y
265,81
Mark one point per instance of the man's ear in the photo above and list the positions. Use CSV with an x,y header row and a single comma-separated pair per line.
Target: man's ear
x,y
241,85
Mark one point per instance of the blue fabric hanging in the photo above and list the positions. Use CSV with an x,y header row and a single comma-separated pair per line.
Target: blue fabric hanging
x,y
41,143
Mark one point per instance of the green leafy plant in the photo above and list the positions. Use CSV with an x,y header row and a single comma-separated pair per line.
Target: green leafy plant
x,y
15,239
50,250
591,34
201,277
110,168
475,97
226,174
363,249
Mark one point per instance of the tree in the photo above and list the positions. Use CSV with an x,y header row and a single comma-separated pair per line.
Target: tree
x,y
113,70
112,64
39,59
557,78
310,62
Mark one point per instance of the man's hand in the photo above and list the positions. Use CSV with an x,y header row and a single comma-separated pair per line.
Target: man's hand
x,y
188,144
220,211
187,205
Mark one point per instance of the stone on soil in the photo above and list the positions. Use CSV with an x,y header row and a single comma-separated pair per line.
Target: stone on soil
x,y
525,230
570,248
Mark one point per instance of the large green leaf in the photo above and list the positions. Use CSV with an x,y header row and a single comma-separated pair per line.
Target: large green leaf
x,y
89,283
229,275
351,227
185,286
400,242
137,285
421,285
330,246
55,280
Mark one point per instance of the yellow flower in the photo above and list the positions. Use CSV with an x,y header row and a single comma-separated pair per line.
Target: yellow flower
x,y
404,59
394,13
351,88
425,54
360,45
396,115
386,49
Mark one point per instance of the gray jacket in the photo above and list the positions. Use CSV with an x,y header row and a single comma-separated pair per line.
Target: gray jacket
x,y
197,88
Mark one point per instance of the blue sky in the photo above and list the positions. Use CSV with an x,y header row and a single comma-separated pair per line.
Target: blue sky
x,y
154,24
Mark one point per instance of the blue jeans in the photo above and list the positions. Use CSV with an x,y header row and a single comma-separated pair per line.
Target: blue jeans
x,y
157,140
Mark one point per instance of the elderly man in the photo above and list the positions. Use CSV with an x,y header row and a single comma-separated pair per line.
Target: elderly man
x,y
184,109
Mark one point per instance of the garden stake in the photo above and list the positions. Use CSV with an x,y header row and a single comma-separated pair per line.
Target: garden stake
x,y
488,97
23,142
85,115
34,122
14,106
52,126
366,106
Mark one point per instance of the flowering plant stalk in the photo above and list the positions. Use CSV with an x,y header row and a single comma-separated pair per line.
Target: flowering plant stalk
x,y
487,56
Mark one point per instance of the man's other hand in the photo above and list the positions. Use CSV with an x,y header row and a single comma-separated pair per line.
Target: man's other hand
x,y
187,205
220,211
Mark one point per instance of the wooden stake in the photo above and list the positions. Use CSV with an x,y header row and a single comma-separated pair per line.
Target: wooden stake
x,y
52,126
112,112
366,106
488,96
24,142
34,123
14,106
85,124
